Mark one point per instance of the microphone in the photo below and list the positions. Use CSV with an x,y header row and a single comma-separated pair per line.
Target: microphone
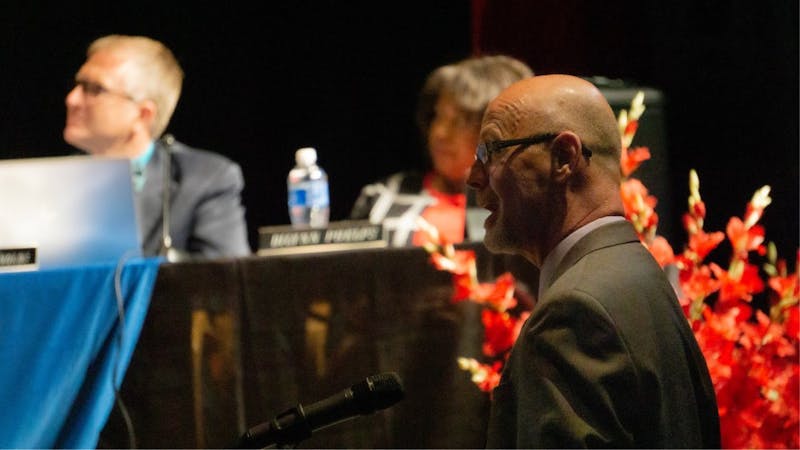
x,y
295,424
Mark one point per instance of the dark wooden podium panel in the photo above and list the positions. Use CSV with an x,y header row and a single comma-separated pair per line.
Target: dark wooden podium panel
x,y
230,344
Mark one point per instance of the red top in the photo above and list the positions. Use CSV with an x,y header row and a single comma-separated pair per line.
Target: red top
x,y
447,214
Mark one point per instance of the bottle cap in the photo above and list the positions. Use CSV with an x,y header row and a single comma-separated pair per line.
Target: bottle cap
x,y
306,156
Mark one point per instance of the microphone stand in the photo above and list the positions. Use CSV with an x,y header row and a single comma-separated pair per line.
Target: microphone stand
x,y
167,250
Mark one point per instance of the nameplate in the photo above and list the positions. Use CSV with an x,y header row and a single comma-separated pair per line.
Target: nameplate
x,y
346,235
17,259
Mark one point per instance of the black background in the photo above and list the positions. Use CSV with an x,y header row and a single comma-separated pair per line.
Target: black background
x,y
263,80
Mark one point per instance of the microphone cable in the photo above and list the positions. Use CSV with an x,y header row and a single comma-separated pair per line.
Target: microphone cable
x,y
121,346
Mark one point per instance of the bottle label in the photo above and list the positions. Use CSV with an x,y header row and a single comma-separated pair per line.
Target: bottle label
x,y
297,197
309,193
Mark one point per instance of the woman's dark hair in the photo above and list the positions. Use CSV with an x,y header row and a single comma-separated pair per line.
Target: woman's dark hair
x,y
471,82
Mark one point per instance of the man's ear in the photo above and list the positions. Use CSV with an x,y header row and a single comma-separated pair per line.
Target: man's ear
x,y
566,152
147,114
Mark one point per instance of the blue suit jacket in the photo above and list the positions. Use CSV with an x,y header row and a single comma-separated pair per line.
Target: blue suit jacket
x,y
207,217
606,359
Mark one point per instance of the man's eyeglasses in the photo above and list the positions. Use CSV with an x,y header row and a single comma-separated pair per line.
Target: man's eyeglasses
x,y
486,149
93,89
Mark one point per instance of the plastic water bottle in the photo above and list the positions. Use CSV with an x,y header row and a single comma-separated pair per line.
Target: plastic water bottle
x,y
307,183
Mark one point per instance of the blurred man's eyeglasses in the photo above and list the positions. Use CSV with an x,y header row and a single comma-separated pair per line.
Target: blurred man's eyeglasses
x,y
485,149
93,89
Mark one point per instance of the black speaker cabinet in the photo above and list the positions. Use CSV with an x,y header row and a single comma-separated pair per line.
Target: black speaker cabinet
x,y
655,172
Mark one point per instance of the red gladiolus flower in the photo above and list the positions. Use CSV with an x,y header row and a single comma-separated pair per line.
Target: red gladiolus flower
x,y
741,288
632,190
726,325
661,251
499,332
699,209
697,283
702,243
639,207
498,295
792,323
491,376
459,263
631,127
786,287
633,158
502,293
744,239
463,287
691,224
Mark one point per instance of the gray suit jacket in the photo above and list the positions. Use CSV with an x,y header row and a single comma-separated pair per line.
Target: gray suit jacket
x,y
606,359
206,213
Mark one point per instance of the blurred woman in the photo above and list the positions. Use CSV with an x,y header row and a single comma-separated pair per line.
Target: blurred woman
x,y
450,106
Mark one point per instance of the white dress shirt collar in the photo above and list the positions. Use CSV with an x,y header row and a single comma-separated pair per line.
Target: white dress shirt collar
x,y
553,259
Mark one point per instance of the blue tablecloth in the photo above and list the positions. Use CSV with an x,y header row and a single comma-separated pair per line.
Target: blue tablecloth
x,y
61,344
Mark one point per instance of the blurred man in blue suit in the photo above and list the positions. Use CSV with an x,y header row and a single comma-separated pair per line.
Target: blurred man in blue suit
x,y
122,100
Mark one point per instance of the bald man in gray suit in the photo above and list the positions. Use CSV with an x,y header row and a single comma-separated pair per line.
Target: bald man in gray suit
x,y
607,358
